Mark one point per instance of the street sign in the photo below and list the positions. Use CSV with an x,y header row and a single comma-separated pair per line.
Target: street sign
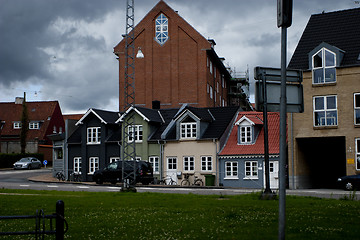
x,y
274,74
45,163
294,97
271,77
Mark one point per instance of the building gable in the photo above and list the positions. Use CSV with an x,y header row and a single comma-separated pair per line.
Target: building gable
x,y
338,29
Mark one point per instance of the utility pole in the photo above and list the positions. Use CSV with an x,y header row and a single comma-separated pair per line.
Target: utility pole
x,y
128,137
284,20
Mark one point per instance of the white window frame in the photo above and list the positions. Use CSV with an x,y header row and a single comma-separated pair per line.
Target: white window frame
x,y
357,153
356,109
325,110
189,163
323,66
34,125
93,164
245,134
188,130
231,170
17,125
171,163
206,163
251,170
114,159
93,135
161,29
137,134
77,165
154,161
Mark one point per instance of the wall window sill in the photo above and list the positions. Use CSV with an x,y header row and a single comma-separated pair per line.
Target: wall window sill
x,y
325,127
231,178
250,178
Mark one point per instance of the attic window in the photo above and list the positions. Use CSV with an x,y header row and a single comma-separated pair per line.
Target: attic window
x,y
188,129
323,66
34,125
245,134
17,125
161,29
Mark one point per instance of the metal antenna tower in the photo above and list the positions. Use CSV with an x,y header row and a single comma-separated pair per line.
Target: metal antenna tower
x,y
129,153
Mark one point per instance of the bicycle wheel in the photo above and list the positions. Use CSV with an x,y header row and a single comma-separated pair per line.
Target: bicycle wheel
x,y
199,182
185,182
172,182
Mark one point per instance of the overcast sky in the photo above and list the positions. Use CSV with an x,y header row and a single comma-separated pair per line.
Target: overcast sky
x,y
63,49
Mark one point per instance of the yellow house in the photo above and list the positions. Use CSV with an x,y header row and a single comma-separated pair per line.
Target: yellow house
x,y
324,140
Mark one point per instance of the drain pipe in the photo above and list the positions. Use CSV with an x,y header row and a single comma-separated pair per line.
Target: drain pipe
x,y
292,150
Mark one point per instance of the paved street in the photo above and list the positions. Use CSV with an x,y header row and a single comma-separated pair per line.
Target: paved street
x,y
42,180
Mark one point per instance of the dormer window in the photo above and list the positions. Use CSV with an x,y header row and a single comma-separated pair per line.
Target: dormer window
x,y
245,133
323,66
188,129
161,29
17,125
34,125
247,130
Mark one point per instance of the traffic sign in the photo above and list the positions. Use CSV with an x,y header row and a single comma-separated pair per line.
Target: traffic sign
x,y
274,74
45,162
271,78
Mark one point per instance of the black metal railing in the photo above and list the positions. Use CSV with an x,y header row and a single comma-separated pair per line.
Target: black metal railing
x,y
40,223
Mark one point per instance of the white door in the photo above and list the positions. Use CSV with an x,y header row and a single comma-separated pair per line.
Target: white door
x,y
171,169
274,174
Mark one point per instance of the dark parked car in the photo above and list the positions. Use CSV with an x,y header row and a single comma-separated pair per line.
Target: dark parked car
x,y
113,172
27,163
350,182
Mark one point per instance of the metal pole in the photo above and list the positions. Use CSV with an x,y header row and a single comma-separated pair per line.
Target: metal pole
x,y
282,167
266,141
60,220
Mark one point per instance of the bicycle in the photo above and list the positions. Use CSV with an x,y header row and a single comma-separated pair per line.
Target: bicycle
x,y
60,176
167,181
197,181
75,177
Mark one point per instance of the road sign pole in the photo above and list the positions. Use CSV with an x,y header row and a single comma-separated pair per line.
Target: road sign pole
x,y
282,167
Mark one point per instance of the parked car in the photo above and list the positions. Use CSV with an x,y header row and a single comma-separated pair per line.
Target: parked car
x,y
113,172
350,182
27,163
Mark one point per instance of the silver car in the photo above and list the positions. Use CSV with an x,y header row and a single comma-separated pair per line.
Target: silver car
x,y
27,163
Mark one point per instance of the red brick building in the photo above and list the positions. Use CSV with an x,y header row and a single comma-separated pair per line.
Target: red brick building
x,y
45,118
179,64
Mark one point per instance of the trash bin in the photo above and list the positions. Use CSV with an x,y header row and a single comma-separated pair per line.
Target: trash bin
x,y
209,180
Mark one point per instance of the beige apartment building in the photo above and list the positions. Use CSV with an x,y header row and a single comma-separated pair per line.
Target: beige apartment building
x,y
324,140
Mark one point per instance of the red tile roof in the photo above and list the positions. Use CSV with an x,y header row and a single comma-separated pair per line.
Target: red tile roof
x,y
73,116
232,147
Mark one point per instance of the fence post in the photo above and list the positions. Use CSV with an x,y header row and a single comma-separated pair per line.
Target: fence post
x,y
60,220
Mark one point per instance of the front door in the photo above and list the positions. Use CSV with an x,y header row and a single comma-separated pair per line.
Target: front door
x,y
171,169
273,174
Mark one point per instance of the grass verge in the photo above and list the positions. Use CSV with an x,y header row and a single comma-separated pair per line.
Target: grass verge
x,y
182,216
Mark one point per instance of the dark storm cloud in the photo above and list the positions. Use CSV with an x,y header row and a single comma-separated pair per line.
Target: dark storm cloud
x,y
62,49
24,31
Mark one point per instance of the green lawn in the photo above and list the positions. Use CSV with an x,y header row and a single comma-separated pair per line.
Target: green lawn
x,y
183,216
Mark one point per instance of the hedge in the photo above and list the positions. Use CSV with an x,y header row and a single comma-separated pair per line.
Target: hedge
x,y
7,160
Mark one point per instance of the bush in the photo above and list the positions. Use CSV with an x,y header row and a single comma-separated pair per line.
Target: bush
x,y
7,160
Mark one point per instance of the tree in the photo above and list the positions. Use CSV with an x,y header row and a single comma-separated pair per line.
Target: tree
x,y
24,125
